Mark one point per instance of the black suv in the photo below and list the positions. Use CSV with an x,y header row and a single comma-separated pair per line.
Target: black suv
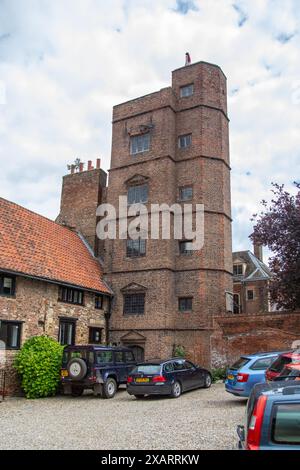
x,y
99,368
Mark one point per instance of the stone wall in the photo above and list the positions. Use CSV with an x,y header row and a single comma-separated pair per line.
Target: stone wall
x,y
36,304
244,334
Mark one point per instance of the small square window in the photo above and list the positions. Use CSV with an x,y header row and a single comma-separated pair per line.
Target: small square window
x,y
134,304
237,269
185,141
7,285
185,304
10,334
186,90
95,335
250,294
185,193
139,143
98,302
186,247
135,248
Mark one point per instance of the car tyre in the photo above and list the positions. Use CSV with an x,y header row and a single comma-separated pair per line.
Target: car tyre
x,y
109,388
176,390
77,391
207,381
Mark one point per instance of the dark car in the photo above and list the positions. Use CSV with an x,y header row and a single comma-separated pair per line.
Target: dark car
x,y
272,417
275,369
170,377
99,368
290,372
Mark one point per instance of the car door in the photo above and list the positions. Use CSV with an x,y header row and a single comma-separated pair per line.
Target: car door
x,y
196,376
120,366
129,361
182,374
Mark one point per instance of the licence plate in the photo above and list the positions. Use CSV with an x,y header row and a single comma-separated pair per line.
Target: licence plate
x,y
230,377
142,379
64,373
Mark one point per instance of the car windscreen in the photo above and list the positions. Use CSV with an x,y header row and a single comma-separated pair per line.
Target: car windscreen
x,y
286,424
151,369
241,362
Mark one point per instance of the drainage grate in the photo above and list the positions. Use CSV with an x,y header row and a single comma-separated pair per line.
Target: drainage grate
x,y
2,385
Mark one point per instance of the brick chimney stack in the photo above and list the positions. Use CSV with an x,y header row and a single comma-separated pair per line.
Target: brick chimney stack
x,y
258,251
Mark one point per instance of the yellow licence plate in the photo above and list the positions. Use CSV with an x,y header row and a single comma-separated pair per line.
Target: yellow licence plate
x,y
142,379
230,377
64,373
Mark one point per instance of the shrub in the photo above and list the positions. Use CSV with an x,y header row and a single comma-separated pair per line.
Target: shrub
x,y
179,351
38,364
218,374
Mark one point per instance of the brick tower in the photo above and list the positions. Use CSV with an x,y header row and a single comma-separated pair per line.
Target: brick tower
x,y
172,146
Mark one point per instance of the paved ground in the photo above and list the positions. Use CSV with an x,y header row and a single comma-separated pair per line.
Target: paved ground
x,y
202,419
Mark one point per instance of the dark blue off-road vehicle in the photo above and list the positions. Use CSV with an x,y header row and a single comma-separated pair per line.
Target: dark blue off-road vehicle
x,y
99,368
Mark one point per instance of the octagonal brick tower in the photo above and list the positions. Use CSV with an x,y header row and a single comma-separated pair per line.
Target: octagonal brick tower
x,y
172,146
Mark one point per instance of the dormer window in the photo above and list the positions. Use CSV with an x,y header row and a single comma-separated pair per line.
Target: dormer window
x,y
186,90
238,270
140,143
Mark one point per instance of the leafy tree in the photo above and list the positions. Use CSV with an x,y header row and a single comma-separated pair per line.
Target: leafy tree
x,y
38,363
277,226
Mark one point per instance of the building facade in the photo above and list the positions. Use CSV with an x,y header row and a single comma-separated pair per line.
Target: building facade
x,y
172,146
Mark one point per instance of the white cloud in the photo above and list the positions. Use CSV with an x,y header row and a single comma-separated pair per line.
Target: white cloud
x,y
65,63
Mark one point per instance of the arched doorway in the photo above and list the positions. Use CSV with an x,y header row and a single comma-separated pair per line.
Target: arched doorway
x,y
138,352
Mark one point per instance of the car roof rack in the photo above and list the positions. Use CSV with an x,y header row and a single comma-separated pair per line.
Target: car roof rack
x,y
291,390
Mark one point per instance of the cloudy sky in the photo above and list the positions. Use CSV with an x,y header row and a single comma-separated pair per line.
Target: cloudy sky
x,y
65,63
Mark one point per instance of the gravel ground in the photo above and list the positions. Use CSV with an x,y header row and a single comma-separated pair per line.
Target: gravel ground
x,y
201,419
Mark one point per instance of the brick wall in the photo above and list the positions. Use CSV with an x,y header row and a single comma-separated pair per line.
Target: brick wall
x,y
36,304
244,334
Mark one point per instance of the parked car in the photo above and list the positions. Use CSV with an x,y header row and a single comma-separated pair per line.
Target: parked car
x,y
289,372
275,369
247,371
99,368
169,377
272,418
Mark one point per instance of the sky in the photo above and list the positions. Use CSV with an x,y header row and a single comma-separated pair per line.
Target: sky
x,y
65,63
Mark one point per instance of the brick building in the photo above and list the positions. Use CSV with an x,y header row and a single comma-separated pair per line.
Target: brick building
x,y
50,283
251,278
172,146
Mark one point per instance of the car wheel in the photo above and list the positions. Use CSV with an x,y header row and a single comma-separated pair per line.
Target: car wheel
x,y
77,368
207,381
176,390
139,396
77,391
109,388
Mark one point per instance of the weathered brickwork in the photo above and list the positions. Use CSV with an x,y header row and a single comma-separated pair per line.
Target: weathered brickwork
x,y
36,305
244,334
165,274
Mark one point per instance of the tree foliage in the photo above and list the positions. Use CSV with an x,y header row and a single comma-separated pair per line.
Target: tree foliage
x,y
277,226
38,363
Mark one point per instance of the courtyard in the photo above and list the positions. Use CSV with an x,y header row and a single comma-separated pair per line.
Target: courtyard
x,y
201,419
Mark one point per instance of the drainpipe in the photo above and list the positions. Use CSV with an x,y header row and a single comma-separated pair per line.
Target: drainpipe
x,y
107,316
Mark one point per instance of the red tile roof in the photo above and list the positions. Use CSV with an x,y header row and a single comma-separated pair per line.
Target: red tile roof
x,y
33,245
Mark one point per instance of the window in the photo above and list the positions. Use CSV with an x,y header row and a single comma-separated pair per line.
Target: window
x,y
95,335
70,295
185,193
185,304
236,303
139,143
241,362
186,247
66,335
137,194
10,334
184,141
169,367
179,365
119,357
135,248
7,285
134,304
285,424
186,90
262,364
128,356
104,357
237,269
98,302
250,294
188,365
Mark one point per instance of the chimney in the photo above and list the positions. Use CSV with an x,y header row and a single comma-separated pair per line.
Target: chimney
x,y
81,165
98,163
90,166
258,251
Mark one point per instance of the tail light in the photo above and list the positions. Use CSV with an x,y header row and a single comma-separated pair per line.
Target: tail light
x,y
158,378
242,377
255,426
129,380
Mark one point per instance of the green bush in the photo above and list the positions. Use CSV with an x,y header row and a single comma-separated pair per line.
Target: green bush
x,y
218,374
38,363
178,351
